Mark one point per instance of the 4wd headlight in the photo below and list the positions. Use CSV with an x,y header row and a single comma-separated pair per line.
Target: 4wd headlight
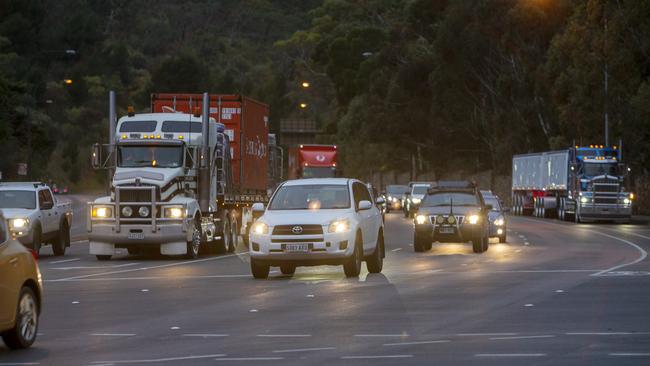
x,y
499,221
19,224
440,220
472,219
102,212
420,219
416,201
174,212
339,226
260,228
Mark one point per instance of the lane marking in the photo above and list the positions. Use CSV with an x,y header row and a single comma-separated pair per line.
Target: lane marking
x,y
396,250
113,334
606,333
205,335
304,350
381,335
249,359
151,278
485,334
19,363
168,359
416,343
643,256
374,357
65,261
522,337
176,264
284,335
96,267
510,355
630,354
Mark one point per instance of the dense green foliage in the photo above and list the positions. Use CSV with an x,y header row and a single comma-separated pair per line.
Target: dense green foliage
x,y
447,85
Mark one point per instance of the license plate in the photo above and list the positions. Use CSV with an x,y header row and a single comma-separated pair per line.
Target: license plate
x,y
297,248
135,236
447,230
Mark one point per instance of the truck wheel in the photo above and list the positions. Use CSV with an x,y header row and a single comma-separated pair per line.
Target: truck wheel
x,y
259,270
502,238
234,236
352,266
36,239
223,244
23,334
486,243
376,261
245,237
195,243
288,269
62,240
103,257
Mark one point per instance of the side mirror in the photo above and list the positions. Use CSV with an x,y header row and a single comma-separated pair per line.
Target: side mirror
x,y
96,156
380,200
365,205
258,210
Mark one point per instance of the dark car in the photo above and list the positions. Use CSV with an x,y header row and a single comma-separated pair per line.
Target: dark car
x,y
452,211
393,196
496,217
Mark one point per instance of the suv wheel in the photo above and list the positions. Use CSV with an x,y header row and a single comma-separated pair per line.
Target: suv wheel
x,y
419,244
23,334
259,270
288,269
477,245
352,266
376,261
62,240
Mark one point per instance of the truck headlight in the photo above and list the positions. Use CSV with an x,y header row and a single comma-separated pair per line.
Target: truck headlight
x,y
472,219
339,226
499,221
626,201
101,212
584,199
416,201
174,212
631,196
127,211
420,219
19,224
260,228
143,211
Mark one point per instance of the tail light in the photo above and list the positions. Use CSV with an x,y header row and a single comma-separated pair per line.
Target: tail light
x,y
34,254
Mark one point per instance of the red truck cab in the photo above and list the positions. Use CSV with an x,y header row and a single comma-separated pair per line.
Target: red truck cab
x,y
312,161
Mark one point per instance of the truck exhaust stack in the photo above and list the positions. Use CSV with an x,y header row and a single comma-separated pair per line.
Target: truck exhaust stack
x,y
204,172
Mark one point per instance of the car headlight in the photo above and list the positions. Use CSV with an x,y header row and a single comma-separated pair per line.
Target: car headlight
x,y
260,228
19,224
339,226
626,201
472,219
174,212
451,219
631,196
420,219
101,212
416,201
584,199
499,221
440,219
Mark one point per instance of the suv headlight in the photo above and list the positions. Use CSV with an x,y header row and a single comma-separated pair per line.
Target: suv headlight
x,y
174,212
472,219
499,221
102,212
416,201
339,226
19,224
260,228
420,219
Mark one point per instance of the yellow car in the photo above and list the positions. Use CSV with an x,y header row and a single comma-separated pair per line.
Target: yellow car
x,y
20,291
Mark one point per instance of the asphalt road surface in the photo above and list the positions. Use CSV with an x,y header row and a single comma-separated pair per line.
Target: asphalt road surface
x,y
555,293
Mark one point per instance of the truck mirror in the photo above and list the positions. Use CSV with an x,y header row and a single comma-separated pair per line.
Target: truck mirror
x,y
96,156
488,207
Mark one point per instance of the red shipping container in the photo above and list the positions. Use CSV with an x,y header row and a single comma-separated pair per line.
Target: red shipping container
x,y
247,126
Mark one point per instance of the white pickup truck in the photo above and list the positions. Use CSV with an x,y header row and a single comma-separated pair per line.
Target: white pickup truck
x,y
35,217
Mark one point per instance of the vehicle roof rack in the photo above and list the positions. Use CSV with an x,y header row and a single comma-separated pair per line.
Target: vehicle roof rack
x,y
35,184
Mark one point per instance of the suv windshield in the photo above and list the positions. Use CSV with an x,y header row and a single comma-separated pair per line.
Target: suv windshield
x,y
18,199
446,198
420,189
311,197
150,155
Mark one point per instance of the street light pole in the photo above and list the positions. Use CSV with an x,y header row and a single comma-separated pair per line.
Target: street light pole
x,y
606,77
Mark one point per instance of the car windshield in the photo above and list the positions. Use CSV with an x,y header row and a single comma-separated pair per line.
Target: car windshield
x,y
311,197
420,189
447,198
319,172
150,155
396,190
594,169
18,199
494,202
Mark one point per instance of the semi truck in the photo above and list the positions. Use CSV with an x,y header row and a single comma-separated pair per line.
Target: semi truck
x,y
581,184
312,161
182,178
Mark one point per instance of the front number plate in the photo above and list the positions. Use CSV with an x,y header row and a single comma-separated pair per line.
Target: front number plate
x,y
135,236
296,248
447,230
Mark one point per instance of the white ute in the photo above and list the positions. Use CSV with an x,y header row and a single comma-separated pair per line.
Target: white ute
x,y
311,222
35,217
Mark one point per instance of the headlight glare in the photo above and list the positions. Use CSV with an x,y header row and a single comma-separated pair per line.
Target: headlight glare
x,y
626,201
260,228
19,223
499,221
473,219
420,219
339,226
584,199
416,201
101,212
174,212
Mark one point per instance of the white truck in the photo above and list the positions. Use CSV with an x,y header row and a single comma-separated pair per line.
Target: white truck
x,y
171,187
35,216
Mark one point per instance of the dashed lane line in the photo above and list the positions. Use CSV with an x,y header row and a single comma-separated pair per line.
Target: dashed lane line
x,y
485,334
510,355
284,335
396,250
249,359
374,357
64,261
381,335
113,334
205,335
158,360
522,337
629,354
416,343
304,350
96,267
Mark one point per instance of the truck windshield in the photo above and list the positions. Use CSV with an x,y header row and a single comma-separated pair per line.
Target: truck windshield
x,y
150,155
311,197
446,198
319,172
18,199
595,169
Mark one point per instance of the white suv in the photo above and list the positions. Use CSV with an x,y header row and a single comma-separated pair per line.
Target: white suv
x,y
311,222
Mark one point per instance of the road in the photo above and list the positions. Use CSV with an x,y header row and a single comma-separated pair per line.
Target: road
x,y
555,293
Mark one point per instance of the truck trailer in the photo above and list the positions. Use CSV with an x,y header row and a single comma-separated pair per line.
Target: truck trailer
x,y
312,161
578,184
180,182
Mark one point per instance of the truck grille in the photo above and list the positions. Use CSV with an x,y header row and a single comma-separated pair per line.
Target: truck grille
x,y
606,200
137,195
306,230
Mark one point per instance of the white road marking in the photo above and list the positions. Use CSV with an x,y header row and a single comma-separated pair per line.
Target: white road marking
x,y
19,363
643,255
249,359
182,263
310,295
606,333
112,334
65,261
75,302
175,328
381,335
522,337
284,335
145,278
144,290
304,350
396,250
95,267
559,291
529,305
205,335
510,355
252,311
374,357
526,243
630,354
160,359
485,334
416,343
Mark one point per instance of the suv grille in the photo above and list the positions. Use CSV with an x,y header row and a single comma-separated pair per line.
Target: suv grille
x,y
306,230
